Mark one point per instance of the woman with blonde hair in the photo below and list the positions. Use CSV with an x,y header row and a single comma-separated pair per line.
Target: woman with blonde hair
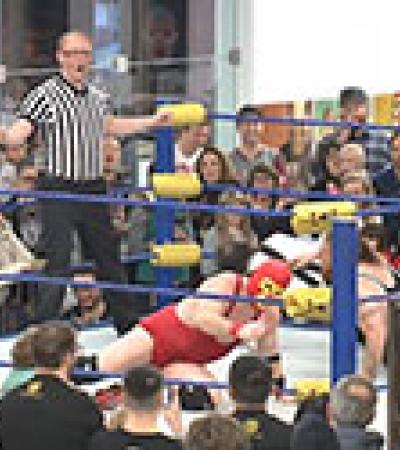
x,y
229,230
352,159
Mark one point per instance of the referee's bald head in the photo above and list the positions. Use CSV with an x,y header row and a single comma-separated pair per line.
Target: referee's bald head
x,y
74,36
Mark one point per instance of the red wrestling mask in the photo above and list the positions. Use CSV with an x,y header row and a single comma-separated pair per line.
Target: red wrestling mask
x,y
269,279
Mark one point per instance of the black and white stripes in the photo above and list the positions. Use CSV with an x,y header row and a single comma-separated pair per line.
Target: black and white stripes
x,y
70,123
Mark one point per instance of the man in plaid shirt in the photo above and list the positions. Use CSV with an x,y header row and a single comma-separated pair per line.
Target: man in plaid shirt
x,y
354,108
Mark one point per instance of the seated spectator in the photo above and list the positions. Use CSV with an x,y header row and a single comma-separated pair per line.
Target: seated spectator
x,y
387,184
138,427
90,307
112,158
375,143
332,170
10,159
27,220
262,177
250,382
357,184
353,403
213,168
47,412
250,150
215,432
22,360
312,430
189,143
352,159
230,230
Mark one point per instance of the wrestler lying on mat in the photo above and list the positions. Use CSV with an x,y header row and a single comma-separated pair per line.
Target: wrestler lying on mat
x,y
182,338
375,277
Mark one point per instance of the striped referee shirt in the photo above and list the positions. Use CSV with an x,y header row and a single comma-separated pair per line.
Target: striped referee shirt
x,y
70,124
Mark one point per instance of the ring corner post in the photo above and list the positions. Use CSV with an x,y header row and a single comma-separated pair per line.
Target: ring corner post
x,y
345,305
164,217
393,374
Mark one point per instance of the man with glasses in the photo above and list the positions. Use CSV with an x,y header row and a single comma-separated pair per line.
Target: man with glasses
x,y
72,117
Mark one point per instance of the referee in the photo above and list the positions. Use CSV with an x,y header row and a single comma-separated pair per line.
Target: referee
x,y
72,117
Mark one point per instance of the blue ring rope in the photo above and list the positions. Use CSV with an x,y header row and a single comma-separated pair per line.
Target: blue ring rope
x,y
168,381
175,204
173,292
301,122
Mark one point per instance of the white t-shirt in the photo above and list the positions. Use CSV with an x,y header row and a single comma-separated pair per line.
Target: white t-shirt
x,y
186,163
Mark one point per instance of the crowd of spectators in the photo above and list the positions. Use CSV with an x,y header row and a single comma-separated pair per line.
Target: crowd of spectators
x,y
349,160
41,407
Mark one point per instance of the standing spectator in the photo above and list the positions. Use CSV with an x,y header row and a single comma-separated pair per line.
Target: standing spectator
x,y
353,403
212,167
262,177
250,382
90,307
138,427
73,115
190,141
216,432
375,143
250,150
47,412
387,184
312,430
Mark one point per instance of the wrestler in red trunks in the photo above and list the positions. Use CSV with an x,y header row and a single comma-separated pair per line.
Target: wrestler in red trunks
x,y
197,331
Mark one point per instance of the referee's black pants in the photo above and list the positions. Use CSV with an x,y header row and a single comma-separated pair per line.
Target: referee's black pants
x,y
99,241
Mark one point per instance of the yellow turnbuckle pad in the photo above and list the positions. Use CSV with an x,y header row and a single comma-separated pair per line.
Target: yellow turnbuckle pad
x,y
176,185
176,255
315,217
184,113
310,304
311,387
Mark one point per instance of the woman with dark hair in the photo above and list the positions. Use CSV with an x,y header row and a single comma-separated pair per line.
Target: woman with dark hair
x,y
213,167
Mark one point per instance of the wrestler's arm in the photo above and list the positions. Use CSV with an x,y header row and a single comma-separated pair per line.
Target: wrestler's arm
x,y
207,315
266,344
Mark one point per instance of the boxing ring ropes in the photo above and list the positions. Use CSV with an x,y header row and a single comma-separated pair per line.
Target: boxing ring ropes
x,y
344,303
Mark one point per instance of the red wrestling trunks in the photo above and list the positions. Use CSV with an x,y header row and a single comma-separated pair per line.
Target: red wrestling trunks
x,y
175,342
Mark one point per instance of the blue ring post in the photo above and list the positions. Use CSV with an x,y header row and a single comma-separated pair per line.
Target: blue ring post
x,y
164,217
345,307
